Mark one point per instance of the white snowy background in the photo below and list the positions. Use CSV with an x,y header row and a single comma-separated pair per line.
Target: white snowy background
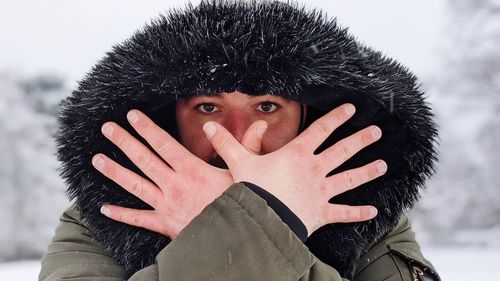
x,y
452,46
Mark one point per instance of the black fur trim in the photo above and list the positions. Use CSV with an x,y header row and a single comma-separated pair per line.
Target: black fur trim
x,y
256,48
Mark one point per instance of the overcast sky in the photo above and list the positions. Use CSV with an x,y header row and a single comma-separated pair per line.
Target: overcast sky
x,y
68,37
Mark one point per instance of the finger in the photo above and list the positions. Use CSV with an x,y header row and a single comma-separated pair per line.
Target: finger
x,y
147,219
224,143
322,128
353,178
163,143
130,181
347,214
252,139
139,154
344,149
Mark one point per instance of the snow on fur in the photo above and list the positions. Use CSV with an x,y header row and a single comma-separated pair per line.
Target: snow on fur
x,y
256,48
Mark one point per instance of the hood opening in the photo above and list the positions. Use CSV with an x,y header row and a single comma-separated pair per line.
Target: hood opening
x,y
255,47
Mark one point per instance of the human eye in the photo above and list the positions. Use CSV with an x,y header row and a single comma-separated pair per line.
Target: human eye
x,y
207,108
267,107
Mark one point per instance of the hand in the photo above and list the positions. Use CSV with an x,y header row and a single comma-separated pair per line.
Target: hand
x,y
180,188
297,177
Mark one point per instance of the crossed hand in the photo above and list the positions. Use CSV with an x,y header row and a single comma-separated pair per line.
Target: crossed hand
x,y
180,185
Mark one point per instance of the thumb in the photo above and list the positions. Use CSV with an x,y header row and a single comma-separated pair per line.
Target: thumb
x,y
224,143
252,139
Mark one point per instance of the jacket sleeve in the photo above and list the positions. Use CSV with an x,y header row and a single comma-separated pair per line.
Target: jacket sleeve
x,y
237,237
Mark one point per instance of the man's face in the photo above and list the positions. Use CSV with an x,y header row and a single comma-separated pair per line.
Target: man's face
x,y
236,112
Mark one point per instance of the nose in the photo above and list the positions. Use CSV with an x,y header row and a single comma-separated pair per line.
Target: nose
x,y
237,124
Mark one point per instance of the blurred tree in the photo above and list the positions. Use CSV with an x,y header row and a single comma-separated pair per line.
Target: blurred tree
x,y
463,196
31,193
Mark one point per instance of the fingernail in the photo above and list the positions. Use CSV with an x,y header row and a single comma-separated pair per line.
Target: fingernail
x,y
382,167
376,133
373,212
350,109
105,210
209,129
132,116
107,129
98,162
261,130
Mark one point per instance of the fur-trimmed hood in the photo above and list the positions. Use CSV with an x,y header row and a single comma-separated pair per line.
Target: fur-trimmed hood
x,y
255,48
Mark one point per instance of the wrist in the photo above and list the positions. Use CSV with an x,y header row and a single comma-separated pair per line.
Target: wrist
x,y
286,215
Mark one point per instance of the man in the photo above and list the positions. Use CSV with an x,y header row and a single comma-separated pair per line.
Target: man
x,y
235,83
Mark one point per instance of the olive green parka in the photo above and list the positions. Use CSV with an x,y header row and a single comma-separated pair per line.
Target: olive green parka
x,y
237,237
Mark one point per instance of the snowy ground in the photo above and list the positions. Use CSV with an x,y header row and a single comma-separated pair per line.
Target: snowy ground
x,y
453,264
457,264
